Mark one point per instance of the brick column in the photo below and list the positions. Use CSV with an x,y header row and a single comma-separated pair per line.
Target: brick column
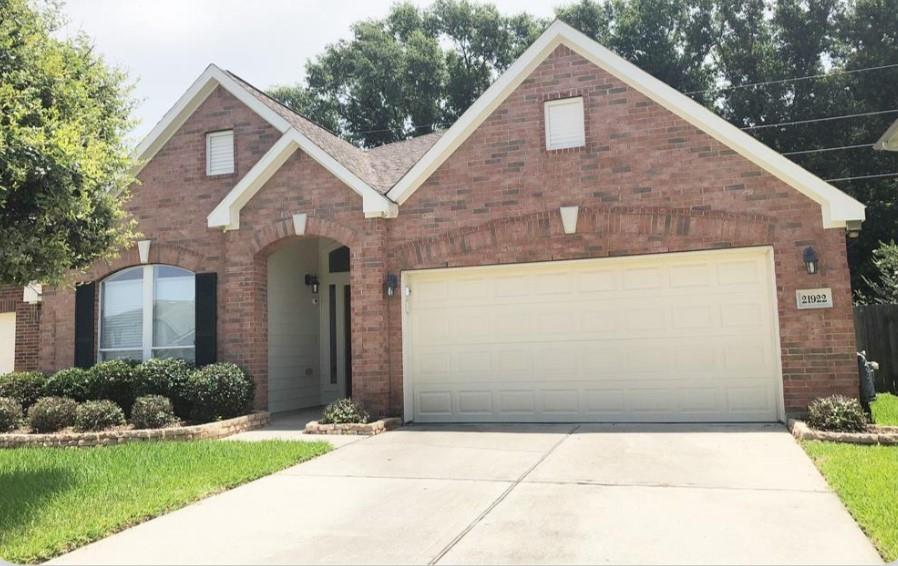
x,y
243,315
370,345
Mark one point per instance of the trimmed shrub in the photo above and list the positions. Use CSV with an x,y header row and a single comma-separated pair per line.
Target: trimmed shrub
x,y
75,383
117,381
837,413
98,415
50,414
167,377
344,411
10,414
152,411
26,387
219,391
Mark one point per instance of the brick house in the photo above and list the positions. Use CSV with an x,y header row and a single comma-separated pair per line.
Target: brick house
x,y
585,243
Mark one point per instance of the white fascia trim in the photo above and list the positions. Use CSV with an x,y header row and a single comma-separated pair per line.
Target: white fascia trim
x,y
201,88
837,207
889,140
227,214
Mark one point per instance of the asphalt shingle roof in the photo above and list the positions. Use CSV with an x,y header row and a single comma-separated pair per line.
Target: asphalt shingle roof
x,y
380,167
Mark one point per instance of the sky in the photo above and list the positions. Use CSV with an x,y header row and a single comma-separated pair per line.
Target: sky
x,y
164,45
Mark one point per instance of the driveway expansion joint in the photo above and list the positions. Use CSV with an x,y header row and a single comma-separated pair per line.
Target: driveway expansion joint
x,y
458,538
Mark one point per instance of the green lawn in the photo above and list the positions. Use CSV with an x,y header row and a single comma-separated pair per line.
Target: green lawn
x,y
866,479
55,499
885,409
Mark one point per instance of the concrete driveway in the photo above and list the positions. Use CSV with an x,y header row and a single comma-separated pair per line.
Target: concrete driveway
x,y
519,494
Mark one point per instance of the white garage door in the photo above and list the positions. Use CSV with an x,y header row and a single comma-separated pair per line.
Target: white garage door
x,y
663,338
7,341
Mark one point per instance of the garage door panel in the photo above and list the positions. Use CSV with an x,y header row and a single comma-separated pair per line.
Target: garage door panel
x,y
660,338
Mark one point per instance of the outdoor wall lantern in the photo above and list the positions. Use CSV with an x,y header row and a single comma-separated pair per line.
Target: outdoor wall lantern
x,y
811,263
391,284
312,281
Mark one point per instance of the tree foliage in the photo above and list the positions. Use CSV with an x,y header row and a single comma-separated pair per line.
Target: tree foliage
x,y
63,163
419,69
884,287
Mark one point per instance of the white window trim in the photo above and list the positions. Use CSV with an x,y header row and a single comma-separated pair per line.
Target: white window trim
x,y
149,296
211,136
547,111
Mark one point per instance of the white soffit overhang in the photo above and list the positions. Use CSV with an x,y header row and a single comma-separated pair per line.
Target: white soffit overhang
x,y
837,207
227,214
889,140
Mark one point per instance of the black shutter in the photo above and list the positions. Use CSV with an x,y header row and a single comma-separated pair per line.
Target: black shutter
x,y
206,318
85,327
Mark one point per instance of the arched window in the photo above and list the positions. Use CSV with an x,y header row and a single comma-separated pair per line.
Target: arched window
x,y
148,312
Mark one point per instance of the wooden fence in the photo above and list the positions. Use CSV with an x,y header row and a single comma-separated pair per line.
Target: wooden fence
x,y
876,331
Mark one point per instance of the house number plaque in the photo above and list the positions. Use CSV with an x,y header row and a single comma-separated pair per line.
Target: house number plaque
x,y
814,298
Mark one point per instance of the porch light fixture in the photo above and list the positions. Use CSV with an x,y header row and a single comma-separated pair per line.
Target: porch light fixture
x,y
811,262
391,284
312,281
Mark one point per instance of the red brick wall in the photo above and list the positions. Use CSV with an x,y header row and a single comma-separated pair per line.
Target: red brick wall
x,y
646,182
28,319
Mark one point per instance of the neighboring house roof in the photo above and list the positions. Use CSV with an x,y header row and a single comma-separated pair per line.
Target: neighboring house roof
x,y
889,140
388,175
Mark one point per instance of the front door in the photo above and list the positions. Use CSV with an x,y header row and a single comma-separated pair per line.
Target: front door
x,y
336,351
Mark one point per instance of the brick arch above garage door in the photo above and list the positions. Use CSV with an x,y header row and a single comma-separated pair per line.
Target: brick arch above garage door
x,y
600,232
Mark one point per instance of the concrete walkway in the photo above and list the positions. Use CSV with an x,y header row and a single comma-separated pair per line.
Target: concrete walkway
x,y
290,426
519,494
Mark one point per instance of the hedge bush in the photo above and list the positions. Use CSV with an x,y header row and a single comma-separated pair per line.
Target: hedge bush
x,y
152,411
75,383
167,377
219,391
837,413
344,411
98,415
26,387
10,414
116,380
50,414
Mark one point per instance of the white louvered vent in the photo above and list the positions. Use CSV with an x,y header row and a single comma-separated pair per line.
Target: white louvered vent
x,y
564,123
220,153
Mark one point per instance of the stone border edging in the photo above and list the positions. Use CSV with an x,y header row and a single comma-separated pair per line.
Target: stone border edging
x,y
887,435
367,429
206,431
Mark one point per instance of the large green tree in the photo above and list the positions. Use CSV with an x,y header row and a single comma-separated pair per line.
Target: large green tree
x,y
410,72
419,69
63,162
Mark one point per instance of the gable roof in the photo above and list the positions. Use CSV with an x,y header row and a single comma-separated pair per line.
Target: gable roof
x,y
347,162
889,140
388,175
837,207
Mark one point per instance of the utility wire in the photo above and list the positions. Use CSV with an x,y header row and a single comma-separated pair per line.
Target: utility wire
x,y
794,79
877,176
806,151
814,120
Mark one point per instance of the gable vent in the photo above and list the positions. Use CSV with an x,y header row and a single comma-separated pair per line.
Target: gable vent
x,y
220,153
564,123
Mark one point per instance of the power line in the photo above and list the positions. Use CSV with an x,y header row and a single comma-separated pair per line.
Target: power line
x,y
877,176
794,79
806,151
813,120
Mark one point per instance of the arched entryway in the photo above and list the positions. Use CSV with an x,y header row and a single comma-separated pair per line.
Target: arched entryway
x,y
309,306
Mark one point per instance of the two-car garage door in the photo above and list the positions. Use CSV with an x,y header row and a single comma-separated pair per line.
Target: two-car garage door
x,y
663,338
